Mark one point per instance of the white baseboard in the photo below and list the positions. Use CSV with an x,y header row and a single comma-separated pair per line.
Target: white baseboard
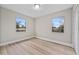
x,y
76,50
63,43
3,44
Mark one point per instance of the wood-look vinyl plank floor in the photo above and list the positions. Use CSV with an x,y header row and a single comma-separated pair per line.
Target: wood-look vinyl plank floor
x,y
36,46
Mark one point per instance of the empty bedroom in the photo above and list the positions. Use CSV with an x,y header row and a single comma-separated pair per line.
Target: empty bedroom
x,y
39,29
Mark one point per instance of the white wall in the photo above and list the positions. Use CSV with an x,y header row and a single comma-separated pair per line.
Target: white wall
x,y
8,26
0,24
44,27
75,28
78,30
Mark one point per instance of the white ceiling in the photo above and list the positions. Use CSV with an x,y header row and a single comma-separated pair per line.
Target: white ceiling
x,y
45,9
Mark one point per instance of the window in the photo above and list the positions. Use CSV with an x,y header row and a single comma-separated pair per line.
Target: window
x,y
58,24
20,25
